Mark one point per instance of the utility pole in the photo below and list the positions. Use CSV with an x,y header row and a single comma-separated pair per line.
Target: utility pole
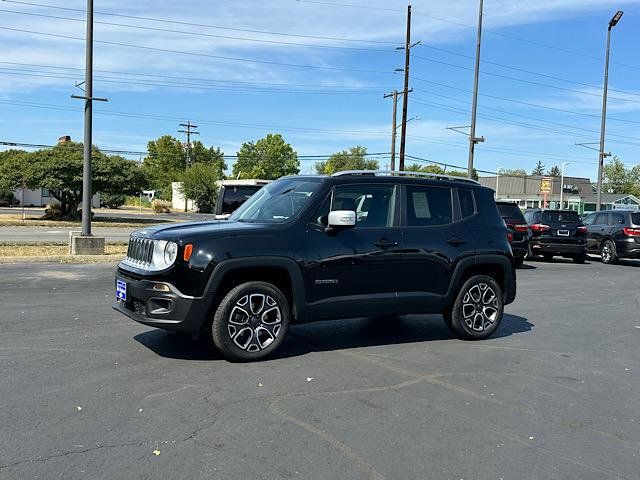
x,y
474,107
394,129
407,48
601,154
88,124
189,131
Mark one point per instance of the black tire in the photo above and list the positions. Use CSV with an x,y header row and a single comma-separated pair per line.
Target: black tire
x,y
471,307
249,337
518,261
608,252
547,257
580,258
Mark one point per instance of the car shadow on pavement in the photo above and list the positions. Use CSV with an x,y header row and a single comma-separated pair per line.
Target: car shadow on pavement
x,y
527,266
331,335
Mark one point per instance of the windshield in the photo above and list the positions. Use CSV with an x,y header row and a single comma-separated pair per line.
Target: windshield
x,y
278,201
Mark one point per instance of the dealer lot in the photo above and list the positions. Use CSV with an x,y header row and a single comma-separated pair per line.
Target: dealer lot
x,y
87,393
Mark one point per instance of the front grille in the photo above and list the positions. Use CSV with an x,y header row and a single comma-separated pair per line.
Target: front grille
x,y
140,251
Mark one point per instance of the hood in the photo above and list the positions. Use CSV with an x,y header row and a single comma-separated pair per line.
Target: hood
x,y
190,231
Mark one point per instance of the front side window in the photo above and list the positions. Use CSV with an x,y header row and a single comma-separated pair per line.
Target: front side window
x,y
428,206
374,204
278,201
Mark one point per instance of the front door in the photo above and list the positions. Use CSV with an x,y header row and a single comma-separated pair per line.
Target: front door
x,y
350,272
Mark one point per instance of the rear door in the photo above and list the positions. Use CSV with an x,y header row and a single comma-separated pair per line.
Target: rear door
x,y
434,236
599,229
589,223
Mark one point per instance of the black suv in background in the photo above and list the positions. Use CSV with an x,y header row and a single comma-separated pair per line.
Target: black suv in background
x,y
307,248
557,232
517,225
614,234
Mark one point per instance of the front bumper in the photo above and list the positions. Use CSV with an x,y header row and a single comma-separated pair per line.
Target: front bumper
x,y
160,304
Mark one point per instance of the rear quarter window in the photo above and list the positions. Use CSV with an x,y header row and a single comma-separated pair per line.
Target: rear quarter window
x,y
467,202
635,218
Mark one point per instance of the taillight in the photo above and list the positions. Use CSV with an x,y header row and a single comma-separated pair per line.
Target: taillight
x,y
631,232
521,228
581,229
540,227
510,237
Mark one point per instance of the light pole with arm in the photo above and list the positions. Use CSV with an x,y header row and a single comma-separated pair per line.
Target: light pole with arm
x,y
601,154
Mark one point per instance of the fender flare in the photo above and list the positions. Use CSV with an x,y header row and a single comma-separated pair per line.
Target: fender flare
x,y
288,264
501,261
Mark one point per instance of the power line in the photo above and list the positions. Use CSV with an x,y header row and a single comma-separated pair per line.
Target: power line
x,y
529,104
199,34
204,25
199,54
485,107
530,82
197,79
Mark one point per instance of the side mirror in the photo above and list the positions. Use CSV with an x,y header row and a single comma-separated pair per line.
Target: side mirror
x,y
341,219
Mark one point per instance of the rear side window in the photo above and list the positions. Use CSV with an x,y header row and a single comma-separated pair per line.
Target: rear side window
x,y
467,202
588,220
428,206
616,219
557,217
510,211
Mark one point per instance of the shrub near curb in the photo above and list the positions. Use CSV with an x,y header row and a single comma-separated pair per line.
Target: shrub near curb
x,y
161,206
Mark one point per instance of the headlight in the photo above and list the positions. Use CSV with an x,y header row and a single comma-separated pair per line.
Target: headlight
x,y
170,253
152,255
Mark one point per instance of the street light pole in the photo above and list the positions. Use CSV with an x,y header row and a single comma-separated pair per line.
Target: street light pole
x,y
474,107
498,180
562,184
601,154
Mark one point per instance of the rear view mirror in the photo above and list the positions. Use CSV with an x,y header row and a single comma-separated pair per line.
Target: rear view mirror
x,y
341,219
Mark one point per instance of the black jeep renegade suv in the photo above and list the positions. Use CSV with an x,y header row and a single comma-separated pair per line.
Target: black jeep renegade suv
x,y
308,248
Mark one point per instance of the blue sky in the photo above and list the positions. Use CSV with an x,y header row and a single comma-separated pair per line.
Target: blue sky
x,y
316,71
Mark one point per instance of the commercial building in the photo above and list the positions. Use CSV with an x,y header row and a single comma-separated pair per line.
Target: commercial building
x,y
577,193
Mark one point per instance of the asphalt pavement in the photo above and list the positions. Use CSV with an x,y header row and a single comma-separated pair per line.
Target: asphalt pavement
x,y
86,393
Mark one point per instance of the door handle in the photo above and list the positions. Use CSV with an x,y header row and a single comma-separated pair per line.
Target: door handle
x,y
386,243
456,241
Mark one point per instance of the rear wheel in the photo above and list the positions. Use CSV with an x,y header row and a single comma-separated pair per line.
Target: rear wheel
x,y
608,252
477,311
251,322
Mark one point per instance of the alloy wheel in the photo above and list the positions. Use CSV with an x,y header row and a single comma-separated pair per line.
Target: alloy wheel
x,y
254,322
480,307
607,252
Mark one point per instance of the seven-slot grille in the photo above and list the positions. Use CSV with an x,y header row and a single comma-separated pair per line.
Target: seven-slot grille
x,y
140,250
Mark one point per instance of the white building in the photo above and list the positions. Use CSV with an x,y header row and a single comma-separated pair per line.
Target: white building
x,y
41,198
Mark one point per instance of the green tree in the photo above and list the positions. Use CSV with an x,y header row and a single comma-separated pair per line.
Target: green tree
x,y
539,170
618,179
200,183
59,169
164,163
513,172
554,171
353,159
268,158
201,154
14,168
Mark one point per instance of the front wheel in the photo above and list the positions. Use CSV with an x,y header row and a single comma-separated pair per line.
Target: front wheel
x,y
478,309
251,321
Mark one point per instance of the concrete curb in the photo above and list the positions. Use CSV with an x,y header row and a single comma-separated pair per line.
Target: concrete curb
x,y
78,259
